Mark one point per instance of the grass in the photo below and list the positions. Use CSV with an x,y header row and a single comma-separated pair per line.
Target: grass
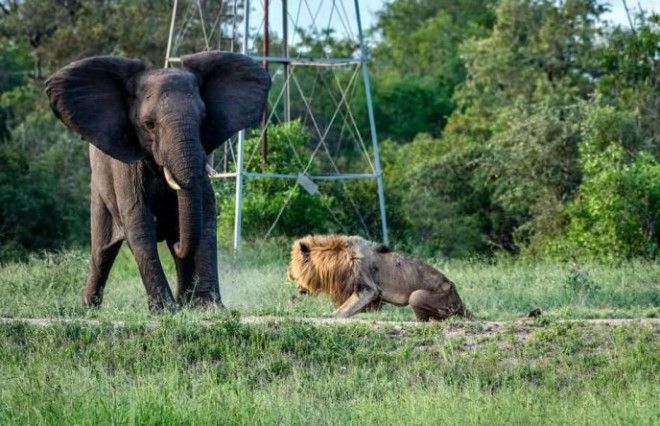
x,y
293,373
506,289
289,372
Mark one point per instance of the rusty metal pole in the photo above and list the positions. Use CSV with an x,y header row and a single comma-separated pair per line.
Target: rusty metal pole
x,y
285,53
264,118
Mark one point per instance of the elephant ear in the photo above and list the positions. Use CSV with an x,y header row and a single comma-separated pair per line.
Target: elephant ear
x,y
234,89
90,97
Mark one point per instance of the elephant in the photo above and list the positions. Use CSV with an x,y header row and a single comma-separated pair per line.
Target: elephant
x,y
150,131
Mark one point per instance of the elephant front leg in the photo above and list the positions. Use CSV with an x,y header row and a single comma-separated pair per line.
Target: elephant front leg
x,y
141,237
185,275
154,280
206,290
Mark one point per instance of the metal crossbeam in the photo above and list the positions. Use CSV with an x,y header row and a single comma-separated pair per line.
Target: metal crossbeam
x,y
313,62
288,176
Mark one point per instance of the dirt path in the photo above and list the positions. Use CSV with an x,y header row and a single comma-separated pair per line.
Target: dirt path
x,y
522,328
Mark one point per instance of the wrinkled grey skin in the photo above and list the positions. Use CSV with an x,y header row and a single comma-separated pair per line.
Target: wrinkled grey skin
x,y
144,126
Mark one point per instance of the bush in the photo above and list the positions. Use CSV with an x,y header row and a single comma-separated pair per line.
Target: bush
x,y
433,207
31,216
617,210
44,180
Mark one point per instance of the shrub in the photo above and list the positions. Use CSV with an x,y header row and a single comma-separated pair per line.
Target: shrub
x,y
30,214
264,198
617,209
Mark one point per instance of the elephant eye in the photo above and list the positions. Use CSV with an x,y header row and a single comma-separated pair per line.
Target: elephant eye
x,y
149,125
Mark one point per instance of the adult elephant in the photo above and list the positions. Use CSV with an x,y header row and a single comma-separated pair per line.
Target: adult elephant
x,y
150,132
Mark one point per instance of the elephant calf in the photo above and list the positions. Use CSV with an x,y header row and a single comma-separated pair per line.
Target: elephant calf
x,y
150,132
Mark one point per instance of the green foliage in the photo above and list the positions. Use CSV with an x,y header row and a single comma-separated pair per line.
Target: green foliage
x,y
421,37
15,62
264,198
44,179
345,207
22,190
432,182
417,62
529,167
512,156
404,107
630,79
629,61
617,211
38,209
514,139
579,281
537,51
60,32
517,126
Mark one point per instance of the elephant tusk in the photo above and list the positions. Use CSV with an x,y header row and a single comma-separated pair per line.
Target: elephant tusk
x,y
211,171
170,180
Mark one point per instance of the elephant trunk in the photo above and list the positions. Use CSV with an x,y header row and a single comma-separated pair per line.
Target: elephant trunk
x,y
190,221
186,178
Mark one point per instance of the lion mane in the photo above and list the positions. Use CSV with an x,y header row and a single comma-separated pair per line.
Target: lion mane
x,y
326,264
330,264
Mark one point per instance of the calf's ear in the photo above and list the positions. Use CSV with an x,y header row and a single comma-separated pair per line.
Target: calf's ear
x,y
234,89
90,96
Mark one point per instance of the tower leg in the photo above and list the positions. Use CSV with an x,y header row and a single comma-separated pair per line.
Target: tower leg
x,y
171,34
241,142
372,126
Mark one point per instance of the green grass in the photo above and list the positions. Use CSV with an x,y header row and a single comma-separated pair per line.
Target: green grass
x,y
292,373
171,369
506,289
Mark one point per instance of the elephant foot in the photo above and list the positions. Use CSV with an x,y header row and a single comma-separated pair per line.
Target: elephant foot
x,y
91,299
203,300
194,298
162,303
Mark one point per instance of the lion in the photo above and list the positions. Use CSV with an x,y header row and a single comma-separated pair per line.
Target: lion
x,y
359,275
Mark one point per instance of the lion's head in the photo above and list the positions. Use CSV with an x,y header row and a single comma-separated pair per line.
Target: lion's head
x,y
325,264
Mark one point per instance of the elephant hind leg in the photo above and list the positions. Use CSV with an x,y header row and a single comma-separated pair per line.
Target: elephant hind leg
x,y
105,246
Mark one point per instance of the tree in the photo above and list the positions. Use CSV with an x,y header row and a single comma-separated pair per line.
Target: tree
x,y
630,75
417,64
519,111
61,31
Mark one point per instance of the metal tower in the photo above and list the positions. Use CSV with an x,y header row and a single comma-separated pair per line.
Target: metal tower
x,y
215,24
